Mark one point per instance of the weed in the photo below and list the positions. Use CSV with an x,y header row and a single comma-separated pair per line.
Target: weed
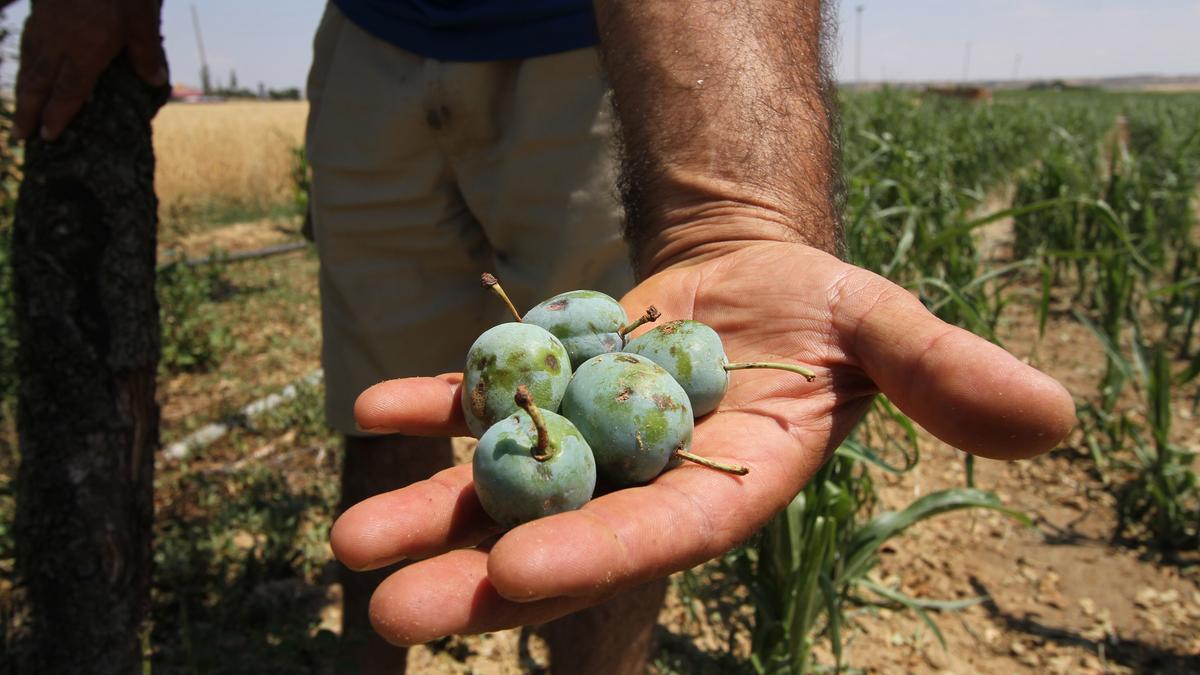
x,y
192,338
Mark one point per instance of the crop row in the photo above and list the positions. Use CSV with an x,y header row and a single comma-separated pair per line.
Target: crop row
x,y
1102,188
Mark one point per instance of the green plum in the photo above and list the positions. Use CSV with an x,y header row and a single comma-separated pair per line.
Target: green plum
x,y
587,322
633,415
531,464
692,353
504,357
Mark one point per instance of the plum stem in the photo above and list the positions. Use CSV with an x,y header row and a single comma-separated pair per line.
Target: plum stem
x,y
790,367
735,469
490,281
650,316
543,450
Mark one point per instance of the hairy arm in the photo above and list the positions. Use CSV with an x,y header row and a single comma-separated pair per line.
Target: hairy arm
x,y
727,125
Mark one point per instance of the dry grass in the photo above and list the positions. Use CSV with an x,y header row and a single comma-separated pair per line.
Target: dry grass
x,y
236,154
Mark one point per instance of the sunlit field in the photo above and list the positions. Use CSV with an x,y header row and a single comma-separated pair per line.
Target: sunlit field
x,y
225,155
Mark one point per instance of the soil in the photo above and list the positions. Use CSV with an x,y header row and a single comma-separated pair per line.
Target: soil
x,y
245,236
271,313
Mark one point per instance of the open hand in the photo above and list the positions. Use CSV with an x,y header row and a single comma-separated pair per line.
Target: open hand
x,y
768,301
65,46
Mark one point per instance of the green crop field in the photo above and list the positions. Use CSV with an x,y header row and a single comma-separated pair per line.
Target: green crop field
x,y
1061,225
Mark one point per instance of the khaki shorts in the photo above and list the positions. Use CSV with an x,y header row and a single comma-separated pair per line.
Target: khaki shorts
x,y
428,173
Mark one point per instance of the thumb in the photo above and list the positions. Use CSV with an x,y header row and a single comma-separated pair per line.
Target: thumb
x,y
965,390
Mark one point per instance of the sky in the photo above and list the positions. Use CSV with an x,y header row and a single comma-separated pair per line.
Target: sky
x,y
270,41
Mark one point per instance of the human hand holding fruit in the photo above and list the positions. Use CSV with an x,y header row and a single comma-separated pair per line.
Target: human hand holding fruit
x,y
768,301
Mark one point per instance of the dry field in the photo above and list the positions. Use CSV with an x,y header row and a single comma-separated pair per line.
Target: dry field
x,y
235,154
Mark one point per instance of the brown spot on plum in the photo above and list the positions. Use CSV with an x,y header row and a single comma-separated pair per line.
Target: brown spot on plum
x,y
665,402
670,327
557,306
623,395
625,358
551,362
479,402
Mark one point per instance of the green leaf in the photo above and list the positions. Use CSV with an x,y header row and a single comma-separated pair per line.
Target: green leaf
x,y
889,524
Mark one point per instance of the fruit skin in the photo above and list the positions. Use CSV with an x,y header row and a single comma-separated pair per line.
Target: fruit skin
x,y
692,352
503,357
515,488
585,321
632,413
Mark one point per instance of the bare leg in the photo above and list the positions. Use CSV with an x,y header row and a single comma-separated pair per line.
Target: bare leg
x,y
613,638
373,465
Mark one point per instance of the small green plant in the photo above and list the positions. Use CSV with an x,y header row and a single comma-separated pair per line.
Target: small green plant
x,y
192,337
1164,497
237,564
812,562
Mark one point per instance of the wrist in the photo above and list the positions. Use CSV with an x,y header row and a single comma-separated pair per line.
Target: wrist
x,y
703,218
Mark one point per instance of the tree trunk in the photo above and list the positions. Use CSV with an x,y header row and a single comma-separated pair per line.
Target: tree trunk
x,y
87,320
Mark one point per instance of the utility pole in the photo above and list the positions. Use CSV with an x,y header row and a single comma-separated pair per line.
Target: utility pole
x,y
205,82
966,61
858,43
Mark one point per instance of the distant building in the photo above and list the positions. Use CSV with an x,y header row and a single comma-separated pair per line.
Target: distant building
x,y
188,94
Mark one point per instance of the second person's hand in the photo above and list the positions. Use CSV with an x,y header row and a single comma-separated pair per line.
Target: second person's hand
x,y
65,46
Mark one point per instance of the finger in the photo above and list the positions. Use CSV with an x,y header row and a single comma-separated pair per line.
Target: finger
x,y
451,594
423,519
72,87
688,515
965,390
144,47
414,406
35,80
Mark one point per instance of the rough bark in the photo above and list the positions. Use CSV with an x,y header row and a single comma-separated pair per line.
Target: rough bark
x,y
87,320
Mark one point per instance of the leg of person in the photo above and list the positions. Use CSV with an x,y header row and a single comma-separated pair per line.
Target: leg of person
x,y
400,263
530,142
373,465
612,638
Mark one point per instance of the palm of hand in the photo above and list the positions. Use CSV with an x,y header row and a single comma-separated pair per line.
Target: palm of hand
x,y
768,302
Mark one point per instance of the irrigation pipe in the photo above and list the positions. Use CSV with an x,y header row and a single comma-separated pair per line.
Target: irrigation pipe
x,y
265,252
209,433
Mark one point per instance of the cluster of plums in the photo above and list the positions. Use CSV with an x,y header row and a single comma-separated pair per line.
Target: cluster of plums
x,y
561,395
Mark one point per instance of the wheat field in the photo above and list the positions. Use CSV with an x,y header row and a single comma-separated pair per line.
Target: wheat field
x,y
231,154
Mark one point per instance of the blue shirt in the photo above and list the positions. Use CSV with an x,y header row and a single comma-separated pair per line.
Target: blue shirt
x,y
477,30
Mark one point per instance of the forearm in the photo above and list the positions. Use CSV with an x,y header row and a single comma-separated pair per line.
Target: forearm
x,y
727,124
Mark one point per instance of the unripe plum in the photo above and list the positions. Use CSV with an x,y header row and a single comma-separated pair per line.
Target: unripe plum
x,y
504,357
531,464
587,323
633,414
